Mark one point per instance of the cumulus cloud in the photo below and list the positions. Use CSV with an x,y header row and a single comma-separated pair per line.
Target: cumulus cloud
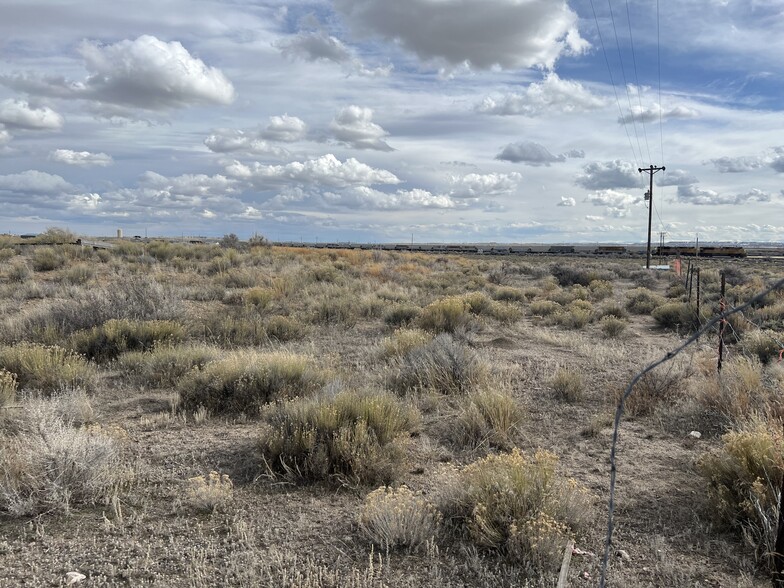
x,y
575,154
365,197
18,114
530,153
608,175
704,197
285,128
81,158
506,33
655,113
144,73
478,185
315,46
677,177
189,184
777,163
5,137
567,201
34,181
326,170
354,126
238,141
552,95
617,204
734,165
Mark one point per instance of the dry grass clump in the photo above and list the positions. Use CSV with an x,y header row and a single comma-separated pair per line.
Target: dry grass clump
x,y
403,341
663,385
47,368
51,466
336,306
114,337
600,289
567,385
230,327
209,493
165,366
642,301
442,365
350,437
509,294
575,316
673,315
612,309
744,480
8,387
740,391
569,275
517,505
445,315
402,315
612,326
765,344
284,328
244,381
18,271
47,259
544,308
258,297
393,518
485,418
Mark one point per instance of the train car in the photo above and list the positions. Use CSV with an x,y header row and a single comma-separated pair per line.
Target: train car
x,y
561,249
722,252
675,250
610,250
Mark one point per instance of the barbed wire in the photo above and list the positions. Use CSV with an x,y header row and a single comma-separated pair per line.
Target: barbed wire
x,y
628,391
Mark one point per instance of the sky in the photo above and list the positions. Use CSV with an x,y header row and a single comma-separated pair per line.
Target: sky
x,y
519,121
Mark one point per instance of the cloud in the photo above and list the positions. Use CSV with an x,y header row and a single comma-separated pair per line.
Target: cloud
x,y
81,158
530,153
365,197
353,126
285,128
238,141
567,201
315,46
5,137
777,164
574,154
189,184
618,204
34,181
144,73
326,170
695,195
655,113
478,185
677,177
608,175
734,165
552,95
18,114
506,33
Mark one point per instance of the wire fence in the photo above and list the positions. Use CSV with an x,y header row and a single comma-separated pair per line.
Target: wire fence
x,y
708,326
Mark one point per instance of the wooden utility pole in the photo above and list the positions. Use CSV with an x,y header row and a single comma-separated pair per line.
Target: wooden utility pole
x,y
649,197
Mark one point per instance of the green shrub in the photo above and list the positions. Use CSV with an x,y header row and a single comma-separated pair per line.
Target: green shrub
x,y
517,505
642,301
544,308
568,275
486,418
79,274
48,369
244,381
258,297
164,366
397,517
402,315
47,259
744,479
600,289
349,437
7,387
230,327
673,315
613,309
567,385
114,337
445,315
442,365
575,316
509,294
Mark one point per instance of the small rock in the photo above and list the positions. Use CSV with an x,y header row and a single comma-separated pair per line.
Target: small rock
x,y
624,555
695,434
74,578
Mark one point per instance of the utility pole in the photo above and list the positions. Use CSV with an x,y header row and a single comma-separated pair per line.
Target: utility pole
x,y
649,196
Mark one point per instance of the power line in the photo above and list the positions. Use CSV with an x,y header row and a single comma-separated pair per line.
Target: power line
x,y
612,83
625,82
637,81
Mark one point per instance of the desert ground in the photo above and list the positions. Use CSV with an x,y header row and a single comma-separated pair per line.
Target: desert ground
x,y
238,414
